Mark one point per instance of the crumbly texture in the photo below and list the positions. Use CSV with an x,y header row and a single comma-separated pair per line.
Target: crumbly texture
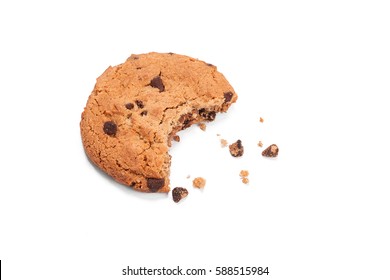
x,y
136,108
202,126
236,149
179,193
271,151
260,144
244,176
199,182
224,143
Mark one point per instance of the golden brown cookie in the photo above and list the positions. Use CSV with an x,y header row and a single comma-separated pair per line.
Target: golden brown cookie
x,y
137,107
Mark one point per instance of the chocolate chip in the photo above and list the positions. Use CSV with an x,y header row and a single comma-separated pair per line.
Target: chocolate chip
x,y
236,149
239,144
139,103
228,96
271,151
209,64
187,123
129,106
156,82
138,68
186,119
154,184
132,184
176,138
211,116
208,116
179,193
144,113
110,128
171,53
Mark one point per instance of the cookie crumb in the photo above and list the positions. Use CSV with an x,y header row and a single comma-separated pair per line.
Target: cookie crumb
x,y
244,173
188,176
224,143
261,120
199,182
178,194
218,134
202,126
260,144
236,149
244,176
245,180
271,151
176,138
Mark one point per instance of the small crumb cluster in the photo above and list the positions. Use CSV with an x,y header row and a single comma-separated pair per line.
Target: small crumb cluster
x,y
271,151
244,176
178,194
236,149
199,182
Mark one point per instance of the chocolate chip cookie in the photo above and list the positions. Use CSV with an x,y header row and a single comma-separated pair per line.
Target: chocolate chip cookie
x,y
136,108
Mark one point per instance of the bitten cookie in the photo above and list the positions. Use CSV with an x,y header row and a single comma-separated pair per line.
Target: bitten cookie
x,y
136,109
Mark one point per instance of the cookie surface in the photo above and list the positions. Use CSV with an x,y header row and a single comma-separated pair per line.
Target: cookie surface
x,y
137,107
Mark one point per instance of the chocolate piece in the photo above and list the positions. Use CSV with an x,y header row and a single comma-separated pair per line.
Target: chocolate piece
x,y
110,128
228,96
156,82
179,193
154,184
129,106
208,116
186,119
139,103
271,151
176,138
236,149
144,113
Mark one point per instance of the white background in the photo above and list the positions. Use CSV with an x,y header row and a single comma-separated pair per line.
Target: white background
x,y
316,71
